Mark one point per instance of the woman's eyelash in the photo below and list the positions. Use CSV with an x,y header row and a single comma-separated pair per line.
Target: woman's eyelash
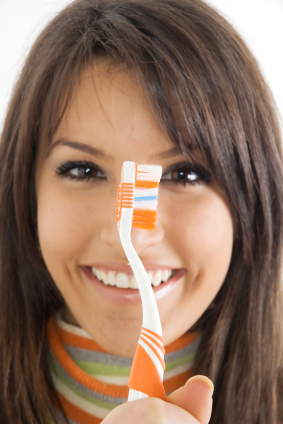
x,y
80,170
181,173
186,173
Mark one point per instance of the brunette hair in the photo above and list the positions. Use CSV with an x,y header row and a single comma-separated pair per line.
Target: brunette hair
x,y
206,90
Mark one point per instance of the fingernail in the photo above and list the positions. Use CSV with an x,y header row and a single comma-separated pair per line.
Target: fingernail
x,y
205,379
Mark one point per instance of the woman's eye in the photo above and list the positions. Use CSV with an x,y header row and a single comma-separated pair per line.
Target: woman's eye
x,y
80,171
187,174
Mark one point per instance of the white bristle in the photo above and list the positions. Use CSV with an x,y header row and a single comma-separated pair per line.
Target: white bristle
x,y
147,205
146,192
146,198
149,172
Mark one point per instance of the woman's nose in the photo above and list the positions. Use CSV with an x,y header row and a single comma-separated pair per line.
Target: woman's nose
x,y
141,239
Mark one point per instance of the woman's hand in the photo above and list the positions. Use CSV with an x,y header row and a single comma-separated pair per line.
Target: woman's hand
x,y
191,404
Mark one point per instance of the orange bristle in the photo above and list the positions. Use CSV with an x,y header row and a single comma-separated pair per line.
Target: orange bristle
x,y
144,219
125,198
146,184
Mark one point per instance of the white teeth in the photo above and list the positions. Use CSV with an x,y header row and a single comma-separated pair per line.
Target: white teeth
x,y
111,278
156,279
133,283
124,281
104,277
166,275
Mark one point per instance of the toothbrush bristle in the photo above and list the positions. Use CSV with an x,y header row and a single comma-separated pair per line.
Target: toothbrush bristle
x,y
141,196
125,198
144,219
148,173
145,197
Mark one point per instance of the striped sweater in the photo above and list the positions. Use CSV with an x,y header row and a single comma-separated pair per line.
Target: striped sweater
x,y
90,382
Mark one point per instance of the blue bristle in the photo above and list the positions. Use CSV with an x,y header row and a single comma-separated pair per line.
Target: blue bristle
x,y
147,198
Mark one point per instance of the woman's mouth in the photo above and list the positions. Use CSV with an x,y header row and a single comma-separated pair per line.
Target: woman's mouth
x,y
119,287
128,281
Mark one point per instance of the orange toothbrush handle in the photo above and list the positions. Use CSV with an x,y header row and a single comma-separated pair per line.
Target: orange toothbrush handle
x,y
145,376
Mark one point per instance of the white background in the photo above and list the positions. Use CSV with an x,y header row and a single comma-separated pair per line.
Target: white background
x,y
260,22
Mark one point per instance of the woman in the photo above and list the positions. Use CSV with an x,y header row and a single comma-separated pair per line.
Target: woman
x,y
135,79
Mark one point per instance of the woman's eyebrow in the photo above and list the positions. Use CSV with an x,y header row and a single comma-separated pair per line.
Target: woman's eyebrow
x,y
174,151
80,146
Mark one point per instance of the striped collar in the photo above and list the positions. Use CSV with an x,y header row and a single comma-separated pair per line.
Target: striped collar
x,y
91,382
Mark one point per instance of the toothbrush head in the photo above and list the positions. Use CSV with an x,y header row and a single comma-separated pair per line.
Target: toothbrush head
x,y
138,189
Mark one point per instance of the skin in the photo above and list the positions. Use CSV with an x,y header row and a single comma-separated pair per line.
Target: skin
x,y
76,219
191,404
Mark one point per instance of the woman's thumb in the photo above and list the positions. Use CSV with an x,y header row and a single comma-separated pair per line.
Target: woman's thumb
x,y
195,397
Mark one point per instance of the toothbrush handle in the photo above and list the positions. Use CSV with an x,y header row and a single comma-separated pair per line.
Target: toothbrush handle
x,y
146,378
148,365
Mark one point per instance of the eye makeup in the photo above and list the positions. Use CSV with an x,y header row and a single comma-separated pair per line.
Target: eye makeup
x,y
80,171
184,173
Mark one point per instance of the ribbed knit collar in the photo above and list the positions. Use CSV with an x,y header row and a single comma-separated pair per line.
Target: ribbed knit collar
x,y
91,382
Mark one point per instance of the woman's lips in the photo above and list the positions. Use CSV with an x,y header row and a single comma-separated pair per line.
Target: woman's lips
x,y
130,296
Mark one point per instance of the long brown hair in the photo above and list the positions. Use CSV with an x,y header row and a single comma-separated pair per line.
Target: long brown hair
x,y
206,89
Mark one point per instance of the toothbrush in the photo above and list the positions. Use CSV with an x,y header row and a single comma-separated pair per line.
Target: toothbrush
x,y
136,207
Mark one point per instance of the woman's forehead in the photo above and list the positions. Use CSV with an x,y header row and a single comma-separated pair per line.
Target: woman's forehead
x,y
110,98
110,108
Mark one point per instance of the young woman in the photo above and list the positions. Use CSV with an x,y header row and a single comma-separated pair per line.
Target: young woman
x,y
165,82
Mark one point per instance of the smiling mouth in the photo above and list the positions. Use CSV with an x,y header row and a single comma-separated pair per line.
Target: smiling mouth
x,y
128,281
126,295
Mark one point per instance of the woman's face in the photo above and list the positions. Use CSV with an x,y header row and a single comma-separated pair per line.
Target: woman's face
x,y
76,184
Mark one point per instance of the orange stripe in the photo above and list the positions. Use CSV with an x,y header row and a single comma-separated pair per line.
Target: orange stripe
x,y
154,334
144,212
78,341
76,372
174,383
143,226
77,414
161,360
144,376
144,219
146,184
161,347
181,342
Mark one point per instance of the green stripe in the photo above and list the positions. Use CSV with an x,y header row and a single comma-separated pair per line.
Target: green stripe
x,y
178,362
101,369
117,371
79,392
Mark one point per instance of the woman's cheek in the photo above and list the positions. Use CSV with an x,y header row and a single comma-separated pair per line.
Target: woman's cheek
x,y
202,232
61,222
